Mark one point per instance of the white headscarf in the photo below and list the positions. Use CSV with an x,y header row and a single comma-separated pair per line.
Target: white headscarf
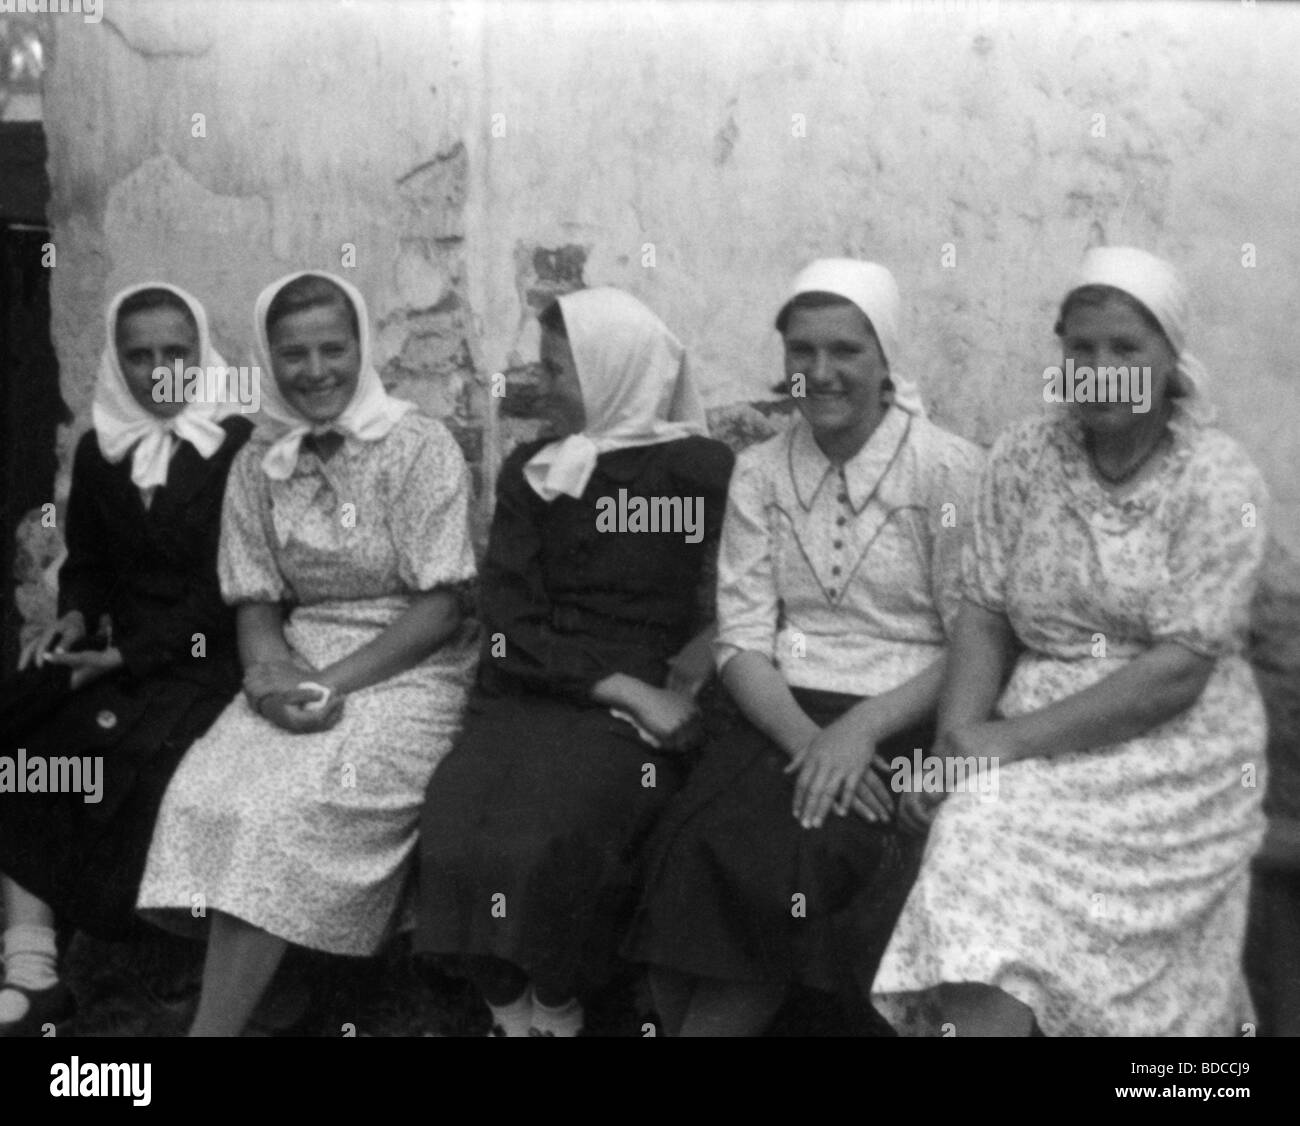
x,y
370,414
636,388
122,424
1158,286
872,289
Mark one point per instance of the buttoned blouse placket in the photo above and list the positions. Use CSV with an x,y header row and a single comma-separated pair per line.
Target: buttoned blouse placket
x,y
845,513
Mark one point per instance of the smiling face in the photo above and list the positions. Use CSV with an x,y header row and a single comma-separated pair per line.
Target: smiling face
x,y
152,338
562,406
836,352
316,359
1112,332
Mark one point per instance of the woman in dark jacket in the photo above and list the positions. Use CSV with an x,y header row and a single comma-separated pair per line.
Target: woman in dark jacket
x,y
601,544
141,660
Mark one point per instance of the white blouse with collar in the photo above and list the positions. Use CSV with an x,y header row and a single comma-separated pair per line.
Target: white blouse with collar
x,y
846,578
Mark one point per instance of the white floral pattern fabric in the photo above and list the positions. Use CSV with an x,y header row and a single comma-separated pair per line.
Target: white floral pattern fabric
x,y
1106,890
309,836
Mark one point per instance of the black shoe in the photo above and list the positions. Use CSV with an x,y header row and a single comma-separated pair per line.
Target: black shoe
x,y
53,1005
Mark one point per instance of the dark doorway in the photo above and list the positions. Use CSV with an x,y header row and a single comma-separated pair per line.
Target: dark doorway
x,y
30,405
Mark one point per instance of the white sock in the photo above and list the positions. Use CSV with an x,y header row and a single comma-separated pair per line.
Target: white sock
x,y
563,1020
515,1018
31,960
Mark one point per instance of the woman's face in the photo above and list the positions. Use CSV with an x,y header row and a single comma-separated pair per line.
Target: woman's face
x,y
561,407
316,360
150,339
835,351
1114,334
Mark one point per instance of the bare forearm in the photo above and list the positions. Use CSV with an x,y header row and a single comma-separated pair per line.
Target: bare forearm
x,y
428,622
979,656
900,708
619,690
1146,692
260,629
761,692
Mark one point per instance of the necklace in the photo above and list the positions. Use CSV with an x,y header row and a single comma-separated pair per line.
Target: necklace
x,y
1130,471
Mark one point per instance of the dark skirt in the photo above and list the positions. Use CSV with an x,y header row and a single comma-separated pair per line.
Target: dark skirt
x,y
531,834
85,858
736,890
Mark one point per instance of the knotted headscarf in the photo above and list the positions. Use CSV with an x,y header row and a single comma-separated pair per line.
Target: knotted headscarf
x,y
1159,288
123,425
871,287
370,414
636,384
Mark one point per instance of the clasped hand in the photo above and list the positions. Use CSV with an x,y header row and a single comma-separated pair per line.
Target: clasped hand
x,y
839,768
669,716
276,691
54,644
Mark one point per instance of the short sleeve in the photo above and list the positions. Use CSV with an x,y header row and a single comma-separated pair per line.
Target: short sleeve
x,y
246,563
986,553
747,601
1216,549
429,514
953,496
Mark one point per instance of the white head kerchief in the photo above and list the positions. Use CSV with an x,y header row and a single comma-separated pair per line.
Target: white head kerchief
x,y
1158,286
636,388
872,289
369,416
122,424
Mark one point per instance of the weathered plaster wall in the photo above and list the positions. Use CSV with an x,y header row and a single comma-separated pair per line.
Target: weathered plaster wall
x,y
481,157
305,152
615,127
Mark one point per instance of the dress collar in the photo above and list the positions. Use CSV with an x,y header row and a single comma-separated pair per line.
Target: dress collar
x,y
810,469
1068,436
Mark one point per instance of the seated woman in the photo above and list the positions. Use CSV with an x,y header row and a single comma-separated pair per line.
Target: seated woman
x,y
1113,559
573,737
344,536
143,520
836,580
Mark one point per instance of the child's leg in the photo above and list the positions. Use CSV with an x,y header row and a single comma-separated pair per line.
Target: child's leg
x,y
30,956
975,1009
241,960
732,1008
671,991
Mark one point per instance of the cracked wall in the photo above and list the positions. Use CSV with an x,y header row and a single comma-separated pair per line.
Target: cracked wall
x,y
700,153
295,162
481,158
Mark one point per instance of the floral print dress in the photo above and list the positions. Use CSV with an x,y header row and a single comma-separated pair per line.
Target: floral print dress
x,y
310,836
1106,890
